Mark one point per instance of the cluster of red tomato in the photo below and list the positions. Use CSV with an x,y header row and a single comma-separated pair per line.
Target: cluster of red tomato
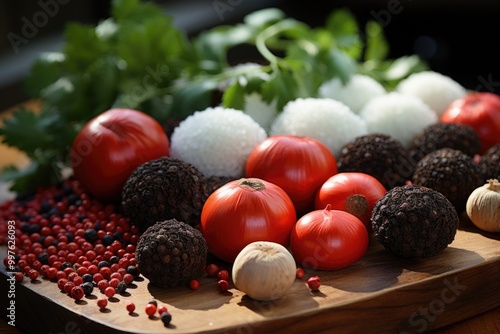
x,y
293,194
288,177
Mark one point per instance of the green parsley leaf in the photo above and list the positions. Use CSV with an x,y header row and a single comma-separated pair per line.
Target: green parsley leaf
x,y
234,96
27,131
47,69
377,47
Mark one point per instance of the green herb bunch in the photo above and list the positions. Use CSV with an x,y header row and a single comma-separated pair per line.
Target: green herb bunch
x,y
138,59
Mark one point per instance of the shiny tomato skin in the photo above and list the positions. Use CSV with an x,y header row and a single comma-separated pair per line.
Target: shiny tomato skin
x,y
328,239
342,190
299,165
481,111
110,146
236,215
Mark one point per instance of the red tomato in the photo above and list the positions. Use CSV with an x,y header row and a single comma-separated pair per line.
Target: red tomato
x,y
243,211
482,112
299,165
110,146
328,239
353,192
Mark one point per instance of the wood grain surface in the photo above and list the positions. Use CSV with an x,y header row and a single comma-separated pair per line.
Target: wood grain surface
x,y
381,293
457,291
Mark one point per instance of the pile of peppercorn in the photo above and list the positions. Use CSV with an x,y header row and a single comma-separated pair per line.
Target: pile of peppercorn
x,y
64,235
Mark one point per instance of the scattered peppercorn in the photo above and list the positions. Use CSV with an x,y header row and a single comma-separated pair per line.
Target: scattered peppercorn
x,y
223,285
114,282
150,309
300,273
33,274
130,307
102,302
102,284
68,286
77,292
132,270
212,269
223,274
194,284
314,283
161,309
88,288
19,276
166,318
128,279
109,291
121,287
61,282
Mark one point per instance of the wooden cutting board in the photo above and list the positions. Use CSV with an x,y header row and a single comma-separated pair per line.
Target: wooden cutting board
x,y
381,293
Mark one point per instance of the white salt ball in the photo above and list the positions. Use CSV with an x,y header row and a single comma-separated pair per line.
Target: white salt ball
x,y
262,112
433,88
398,115
326,120
217,141
355,93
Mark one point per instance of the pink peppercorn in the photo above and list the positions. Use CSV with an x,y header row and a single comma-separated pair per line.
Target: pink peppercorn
x,y
102,302
130,307
223,285
150,309
77,292
109,291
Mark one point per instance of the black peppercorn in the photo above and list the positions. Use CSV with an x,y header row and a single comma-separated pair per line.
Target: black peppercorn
x,y
121,287
90,235
107,239
87,278
87,287
166,318
65,265
103,264
132,270
43,258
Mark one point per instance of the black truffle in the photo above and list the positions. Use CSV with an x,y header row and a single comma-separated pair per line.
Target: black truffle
x,y
380,156
171,253
162,189
489,164
414,221
440,135
451,172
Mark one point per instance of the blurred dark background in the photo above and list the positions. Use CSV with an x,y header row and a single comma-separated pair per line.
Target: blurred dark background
x,y
457,38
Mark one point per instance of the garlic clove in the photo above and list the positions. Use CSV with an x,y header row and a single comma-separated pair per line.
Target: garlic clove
x,y
483,206
264,270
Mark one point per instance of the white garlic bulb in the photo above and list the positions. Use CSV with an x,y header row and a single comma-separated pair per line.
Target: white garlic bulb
x,y
483,206
264,270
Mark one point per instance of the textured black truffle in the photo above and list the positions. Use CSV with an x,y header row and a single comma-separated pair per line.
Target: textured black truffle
x,y
378,155
451,172
489,165
162,189
440,135
171,253
414,221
